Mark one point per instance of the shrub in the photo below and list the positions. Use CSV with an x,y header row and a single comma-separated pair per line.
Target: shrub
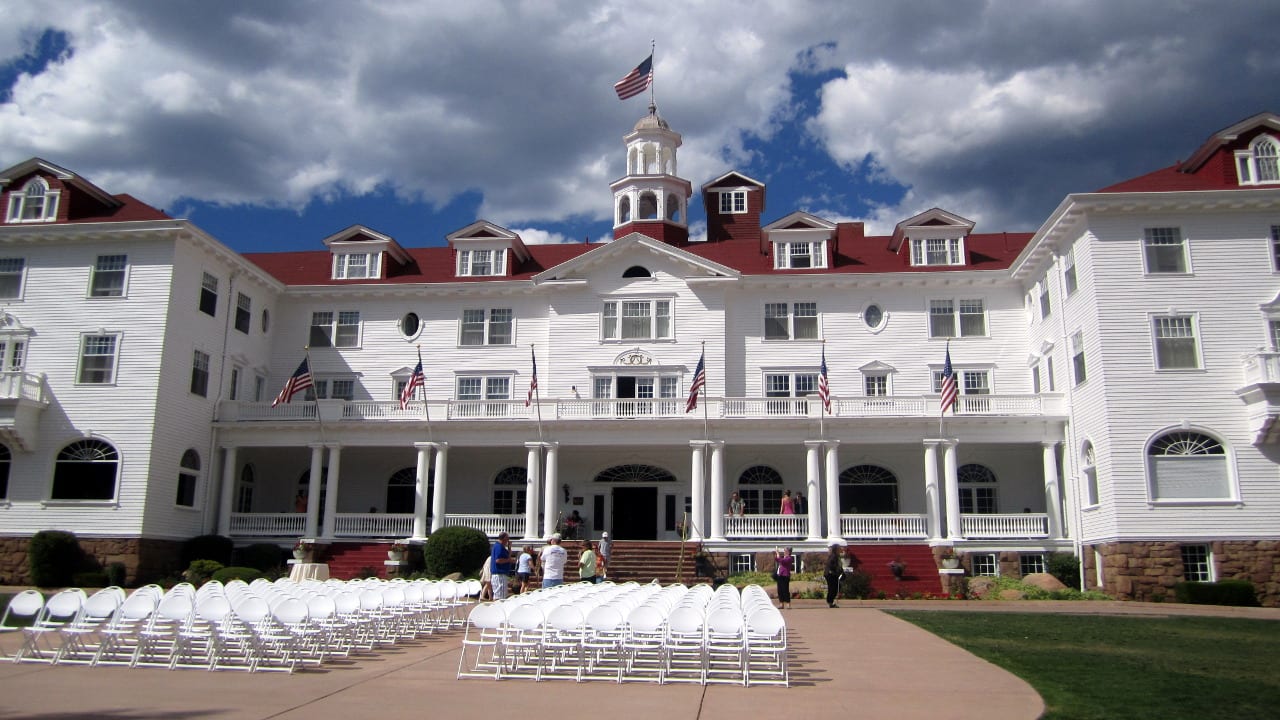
x,y
227,574
1223,592
200,571
207,547
116,574
1065,567
455,549
53,557
260,556
856,585
90,579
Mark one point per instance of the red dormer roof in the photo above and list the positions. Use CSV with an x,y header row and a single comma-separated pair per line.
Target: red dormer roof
x,y
1211,167
78,200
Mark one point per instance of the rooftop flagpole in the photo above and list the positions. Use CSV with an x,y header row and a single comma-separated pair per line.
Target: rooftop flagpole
x,y
653,45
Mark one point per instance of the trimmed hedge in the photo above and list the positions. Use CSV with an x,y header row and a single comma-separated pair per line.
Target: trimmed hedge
x,y
54,557
261,556
227,574
1064,566
455,549
1239,593
208,547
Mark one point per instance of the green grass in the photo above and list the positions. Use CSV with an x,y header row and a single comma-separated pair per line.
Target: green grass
x,y
1089,667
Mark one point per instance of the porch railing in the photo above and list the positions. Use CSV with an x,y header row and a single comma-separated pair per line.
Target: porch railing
x,y
269,524
393,525
886,527
989,527
766,526
22,386
1262,367
491,525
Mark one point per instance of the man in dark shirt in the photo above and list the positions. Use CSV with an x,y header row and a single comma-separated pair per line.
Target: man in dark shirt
x,y
500,566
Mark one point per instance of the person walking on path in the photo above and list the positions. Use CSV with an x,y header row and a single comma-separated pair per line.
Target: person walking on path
x,y
500,562
553,560
833,572
587,564
606,551
524,568
782,575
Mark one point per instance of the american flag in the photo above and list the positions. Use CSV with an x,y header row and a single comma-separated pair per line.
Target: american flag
x,y
699,379
948,385
824,390
300,380
533,381
635,81
416,380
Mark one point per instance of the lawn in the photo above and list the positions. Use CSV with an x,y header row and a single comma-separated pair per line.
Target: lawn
x,y
1089,667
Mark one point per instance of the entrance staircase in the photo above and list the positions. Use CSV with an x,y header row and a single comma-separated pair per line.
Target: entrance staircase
x,y
644,561
350,560
920,577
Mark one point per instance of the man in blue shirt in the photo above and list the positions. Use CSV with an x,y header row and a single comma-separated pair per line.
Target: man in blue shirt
x,y
500,566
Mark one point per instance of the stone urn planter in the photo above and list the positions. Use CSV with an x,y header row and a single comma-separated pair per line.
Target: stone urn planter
x,y
950,563
395,555
300,554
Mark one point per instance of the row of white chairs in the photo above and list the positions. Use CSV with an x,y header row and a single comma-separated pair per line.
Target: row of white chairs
x,y
629,633
263,625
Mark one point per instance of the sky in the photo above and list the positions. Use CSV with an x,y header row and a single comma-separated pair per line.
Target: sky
x,y
272,125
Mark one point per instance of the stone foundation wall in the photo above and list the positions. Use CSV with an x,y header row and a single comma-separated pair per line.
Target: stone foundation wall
x,y
145,560
1150,570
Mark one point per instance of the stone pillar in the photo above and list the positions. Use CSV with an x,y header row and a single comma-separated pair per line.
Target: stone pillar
x,y
932,492
697,484
813,486
533,479
331,490
420,486
227,493
955,526
717,490
441,482
551,478
1052,489
312,526
832,498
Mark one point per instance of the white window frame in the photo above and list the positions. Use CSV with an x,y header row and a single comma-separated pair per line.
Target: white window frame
x,y
357,265
329,332
208,295
1079,364
486,328
491,397
793,398
113,355
1260,163
200,373
189,474
1201,451
1197,562
1275,248
233,382
259,387
786,255
792,320
1070,276
1157,244
955,310
103,267
985,564
472,263
1089,469
13,351
733,202
22,203
244,313
937,252
12,268
332,387
969,381
1046,307
613,319
1167,329
876,384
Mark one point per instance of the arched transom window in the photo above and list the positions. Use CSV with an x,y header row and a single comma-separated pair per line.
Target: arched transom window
x,y
188,478
760,488
402,489
509,491
868,489
978,490
1188,465
635,473
86,470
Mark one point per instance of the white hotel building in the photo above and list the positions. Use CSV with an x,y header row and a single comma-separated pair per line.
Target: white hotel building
x,y
1118,373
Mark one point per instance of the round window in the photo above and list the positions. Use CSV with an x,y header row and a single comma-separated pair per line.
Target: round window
x,y
409,324
873,316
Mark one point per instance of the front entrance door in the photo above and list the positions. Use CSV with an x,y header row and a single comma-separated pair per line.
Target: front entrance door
x,y
635,513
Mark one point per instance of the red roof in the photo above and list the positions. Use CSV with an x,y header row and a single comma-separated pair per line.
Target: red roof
x,y
130,209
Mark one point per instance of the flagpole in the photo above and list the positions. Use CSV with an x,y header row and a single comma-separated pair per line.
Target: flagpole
x,y
653,44
306,351
537,392
706,432
426,408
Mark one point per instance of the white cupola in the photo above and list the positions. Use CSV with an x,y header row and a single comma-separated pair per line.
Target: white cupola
x,y
650,199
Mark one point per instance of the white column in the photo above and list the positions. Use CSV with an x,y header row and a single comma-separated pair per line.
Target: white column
x,y
1052,489
696,487
932,493
717,490
533,478
331,489
550,477
227,493
441,481
833,489
313,490
813,487
955,527
420,486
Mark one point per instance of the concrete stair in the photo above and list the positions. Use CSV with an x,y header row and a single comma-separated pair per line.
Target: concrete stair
x,y
643,561
346,560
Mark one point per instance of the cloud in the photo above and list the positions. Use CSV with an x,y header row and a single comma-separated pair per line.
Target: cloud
x,y
534,236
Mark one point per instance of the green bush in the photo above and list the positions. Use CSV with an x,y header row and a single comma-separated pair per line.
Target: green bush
x,y
261,556
1065,567
90,579
856,585
1224,592
227,574
207,547
116,574
53,557
455,549
200,571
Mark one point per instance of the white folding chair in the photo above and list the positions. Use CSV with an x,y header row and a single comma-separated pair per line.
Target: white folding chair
x,y
766,633
562,643
484,635
158,640
81,638
725,653
118,640
684,645
523,645
642,645
39,640
23,610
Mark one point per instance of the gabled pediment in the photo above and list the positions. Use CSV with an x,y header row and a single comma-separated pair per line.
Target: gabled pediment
x,y
359,238
876,367
37,165
483,234
932,223
800,220
630,250
732,179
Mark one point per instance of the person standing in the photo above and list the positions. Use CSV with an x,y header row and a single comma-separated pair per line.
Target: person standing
x,y
524,568
606,551
587,564
500,562
736,505
786,562
788,507
833,572
553,559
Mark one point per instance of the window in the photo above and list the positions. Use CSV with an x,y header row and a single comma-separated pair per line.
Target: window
x,y
637,271
13,352
483,396
476,263
797,255
340,329
259,388
791,321
875,384
209,295
1275,247
242,312
1273,331
1045,309
11,272
789,385
743,563
98,359
733,202
1035,378
188,477
200,374
410,324
356,266
5,459
636,320
107,279
233,385
244,491
969,315
1260,163
331,389
1175,341
266,320
1048,372
985,564
760,488
1089,468
1077,358
636,394
936,251
1197,563
1188,465
85,470
491,327
1164,250
968,382
1069,279
868,489
509,490
35,202
977,490
1029,563
402,490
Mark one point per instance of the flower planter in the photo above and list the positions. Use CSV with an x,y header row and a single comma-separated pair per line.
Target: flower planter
x,y
395,555
950,563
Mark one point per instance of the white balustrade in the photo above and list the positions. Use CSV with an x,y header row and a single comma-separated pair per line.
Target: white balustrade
x,y
491,525
1262,367
766,526
395,525
22,386
878,406
268,524
883,527
1020,525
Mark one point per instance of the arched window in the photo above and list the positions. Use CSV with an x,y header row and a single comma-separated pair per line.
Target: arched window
x,y
868,489
648,209
402,490
634,473
34,203
978,490
509,489
1260,163
5,459
637,271
1089,470
760,488
1188,465
304,489
624,211
673,208
188,478
86,470
650,159
244,491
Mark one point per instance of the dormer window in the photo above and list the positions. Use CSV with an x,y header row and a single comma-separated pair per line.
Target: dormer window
x,y
733,202
357,266
35,202
799,255
1260,164
480,263
937,251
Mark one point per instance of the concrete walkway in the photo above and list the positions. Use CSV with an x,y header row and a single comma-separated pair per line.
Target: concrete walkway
x,y
852,662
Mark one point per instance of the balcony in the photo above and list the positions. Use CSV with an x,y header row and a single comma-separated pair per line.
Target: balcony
x,y
23,398
1261,395
1020,526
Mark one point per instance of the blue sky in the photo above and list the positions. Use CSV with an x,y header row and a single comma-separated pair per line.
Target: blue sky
x,y
273,125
